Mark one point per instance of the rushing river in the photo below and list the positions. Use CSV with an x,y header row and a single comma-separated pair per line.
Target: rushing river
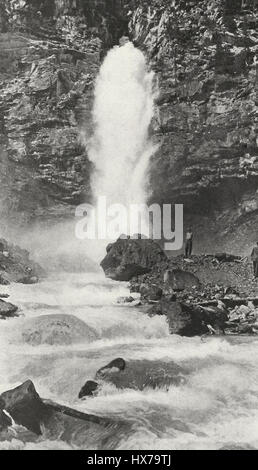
x,y
216,407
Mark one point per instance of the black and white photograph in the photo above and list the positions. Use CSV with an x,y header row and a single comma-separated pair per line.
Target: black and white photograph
x,y
128,228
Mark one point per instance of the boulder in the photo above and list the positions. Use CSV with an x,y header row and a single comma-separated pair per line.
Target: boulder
x,y
25,406
129,257
180,280
125,300
57,421
189,320
55,329
150,292
180,321
139,374
5,421
7,309
117,364
88,389
4,296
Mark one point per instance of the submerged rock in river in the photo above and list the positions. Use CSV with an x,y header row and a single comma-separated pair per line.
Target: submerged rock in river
x,y
88,389
129,257
138,374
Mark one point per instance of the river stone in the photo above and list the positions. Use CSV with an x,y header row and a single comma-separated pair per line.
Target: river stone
x,y
25,406
180,280
129,257
55,329
190,320
180,321
7,309
139,374
5,421
88,389
150,292
58,422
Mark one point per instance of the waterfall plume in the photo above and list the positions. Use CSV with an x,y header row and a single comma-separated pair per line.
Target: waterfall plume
x,y
123,108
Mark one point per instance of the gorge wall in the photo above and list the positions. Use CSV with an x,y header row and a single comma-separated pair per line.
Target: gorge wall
x,y
204,55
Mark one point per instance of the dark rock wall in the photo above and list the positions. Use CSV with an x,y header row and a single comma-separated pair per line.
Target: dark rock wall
x,y
205,58
50,55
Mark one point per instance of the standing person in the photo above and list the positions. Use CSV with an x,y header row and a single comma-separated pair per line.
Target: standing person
x,y
254,258
188,243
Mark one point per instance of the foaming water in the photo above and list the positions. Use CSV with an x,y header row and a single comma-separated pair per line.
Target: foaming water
x,y
120,147
215,406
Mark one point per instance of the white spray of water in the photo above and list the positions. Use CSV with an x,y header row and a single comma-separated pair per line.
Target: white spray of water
x,y
123,109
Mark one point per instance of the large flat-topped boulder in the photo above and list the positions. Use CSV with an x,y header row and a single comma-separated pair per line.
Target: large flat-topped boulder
x,y
129,257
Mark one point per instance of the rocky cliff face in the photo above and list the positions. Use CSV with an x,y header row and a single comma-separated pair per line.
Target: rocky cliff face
x,y
205,58
50,56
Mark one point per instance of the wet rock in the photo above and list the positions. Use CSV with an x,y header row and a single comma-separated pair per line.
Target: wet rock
x,y
25,406
180,321
189,320
127,258
150,292
7,309
140,374
125,300
180,280
5,421
38,415
89,389
54,329
245,328
117,364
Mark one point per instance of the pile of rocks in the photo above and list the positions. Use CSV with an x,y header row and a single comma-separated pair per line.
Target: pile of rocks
x,y
215,277
197,295
243,319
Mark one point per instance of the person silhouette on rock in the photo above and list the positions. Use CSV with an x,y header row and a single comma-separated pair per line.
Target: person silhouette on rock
x,y
188,243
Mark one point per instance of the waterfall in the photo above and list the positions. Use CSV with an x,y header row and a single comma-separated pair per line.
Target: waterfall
x,y
123,108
